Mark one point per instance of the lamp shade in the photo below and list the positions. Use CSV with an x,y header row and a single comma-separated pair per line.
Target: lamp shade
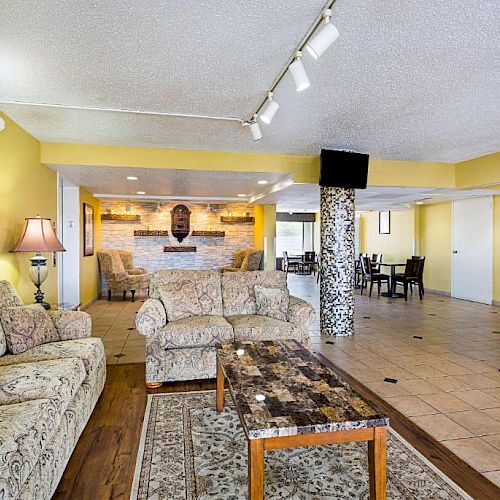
x,y
38,236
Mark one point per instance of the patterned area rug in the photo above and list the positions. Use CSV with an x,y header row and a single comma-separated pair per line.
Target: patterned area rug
x,y
188,451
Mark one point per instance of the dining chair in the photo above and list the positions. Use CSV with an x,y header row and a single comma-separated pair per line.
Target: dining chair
x,y
369,275
422,258
287,265
376,261
308,263
358,272
414,271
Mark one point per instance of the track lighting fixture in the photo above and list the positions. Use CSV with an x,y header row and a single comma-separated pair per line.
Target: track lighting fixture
x,y
325,35
299,73
270,110
254,127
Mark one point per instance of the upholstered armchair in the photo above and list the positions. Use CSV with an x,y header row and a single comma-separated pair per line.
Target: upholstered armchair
x,y
117,267
248,259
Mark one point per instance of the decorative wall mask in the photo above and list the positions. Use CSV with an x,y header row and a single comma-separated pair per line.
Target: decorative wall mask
x,y
180,222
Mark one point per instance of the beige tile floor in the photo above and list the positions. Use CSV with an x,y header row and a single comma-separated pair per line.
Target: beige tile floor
x,y
448,382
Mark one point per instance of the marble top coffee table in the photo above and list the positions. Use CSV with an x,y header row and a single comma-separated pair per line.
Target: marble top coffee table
x,y
285,398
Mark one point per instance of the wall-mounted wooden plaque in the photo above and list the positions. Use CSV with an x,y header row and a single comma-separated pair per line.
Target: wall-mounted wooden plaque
x,y
121,217
212,234
179,249
237,220
149,232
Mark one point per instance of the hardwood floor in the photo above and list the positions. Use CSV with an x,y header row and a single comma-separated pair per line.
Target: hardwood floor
x,y
102,465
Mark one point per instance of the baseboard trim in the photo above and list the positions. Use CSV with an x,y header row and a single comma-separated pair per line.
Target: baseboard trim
x,y
89,303
443,293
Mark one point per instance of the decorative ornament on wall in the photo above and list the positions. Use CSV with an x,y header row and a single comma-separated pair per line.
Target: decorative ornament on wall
x,y
180,222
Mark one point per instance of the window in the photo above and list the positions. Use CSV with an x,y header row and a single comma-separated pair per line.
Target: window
x,y
294,237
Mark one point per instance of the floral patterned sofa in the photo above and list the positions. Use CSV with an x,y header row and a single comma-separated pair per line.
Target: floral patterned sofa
x,y
184,349
47,394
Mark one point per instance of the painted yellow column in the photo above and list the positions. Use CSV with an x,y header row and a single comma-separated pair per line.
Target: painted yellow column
x,y
416,230
265,233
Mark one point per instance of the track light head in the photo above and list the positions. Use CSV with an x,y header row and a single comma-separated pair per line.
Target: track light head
x,y
270,110
325,35
299,73
254,127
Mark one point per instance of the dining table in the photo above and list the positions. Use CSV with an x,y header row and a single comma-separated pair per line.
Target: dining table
x,y
301,260
392,294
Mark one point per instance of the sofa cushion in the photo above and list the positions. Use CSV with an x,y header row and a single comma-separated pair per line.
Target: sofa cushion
x,y
272,302
89,350
207,284
253,327
238,294
59,378
8,298
252,259
198,331
238,258
25,429
26,327
180,300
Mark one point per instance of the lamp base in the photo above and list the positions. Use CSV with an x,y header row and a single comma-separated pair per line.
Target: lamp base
x,y
39,298
38,274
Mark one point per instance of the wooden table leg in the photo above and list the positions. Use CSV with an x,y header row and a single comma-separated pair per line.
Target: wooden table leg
x,y
255,469
377,458
220,388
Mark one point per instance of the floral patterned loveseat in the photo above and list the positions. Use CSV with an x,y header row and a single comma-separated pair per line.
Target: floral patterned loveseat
x,y
47,395
184,349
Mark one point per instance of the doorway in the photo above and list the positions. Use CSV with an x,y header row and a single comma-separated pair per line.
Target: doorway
x,y
472,252
68,223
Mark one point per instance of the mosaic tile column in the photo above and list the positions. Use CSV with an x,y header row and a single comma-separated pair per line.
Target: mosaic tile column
x,y
337,261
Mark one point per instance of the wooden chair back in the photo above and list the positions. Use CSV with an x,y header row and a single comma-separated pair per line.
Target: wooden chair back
x,y
413,268
310,257
366,266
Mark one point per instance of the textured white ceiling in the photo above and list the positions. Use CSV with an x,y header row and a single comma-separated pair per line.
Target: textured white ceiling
x,y
405,80
305,197
203,184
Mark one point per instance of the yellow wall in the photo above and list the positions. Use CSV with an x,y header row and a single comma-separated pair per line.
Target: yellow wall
x,y
479,172
397,246
303,169
89,268
496,249
435,245
27,188
265,227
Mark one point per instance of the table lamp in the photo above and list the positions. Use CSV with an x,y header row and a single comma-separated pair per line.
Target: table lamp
x,y
38,236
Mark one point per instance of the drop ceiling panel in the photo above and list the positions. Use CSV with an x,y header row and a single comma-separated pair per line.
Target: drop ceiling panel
x,y
405,80
167,182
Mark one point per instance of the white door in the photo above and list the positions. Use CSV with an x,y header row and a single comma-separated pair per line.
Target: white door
x,y
69,235
472,257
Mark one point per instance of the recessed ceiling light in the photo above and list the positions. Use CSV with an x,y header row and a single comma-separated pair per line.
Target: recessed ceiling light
x,y
419,203
141,192
131,178
262,182
241,195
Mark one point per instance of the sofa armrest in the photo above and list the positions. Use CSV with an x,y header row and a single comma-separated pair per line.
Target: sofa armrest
x,y
300,312
151,316
136,271
72,325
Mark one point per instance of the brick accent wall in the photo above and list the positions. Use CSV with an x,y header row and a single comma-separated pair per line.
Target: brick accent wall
x,y
212,253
